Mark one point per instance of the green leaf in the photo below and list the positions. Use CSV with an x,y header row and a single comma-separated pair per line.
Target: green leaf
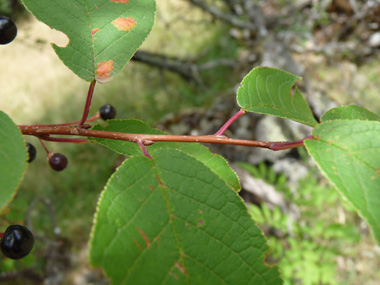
x,y
268,91
215,162
351,112
13,158
171,220
348,153
104,34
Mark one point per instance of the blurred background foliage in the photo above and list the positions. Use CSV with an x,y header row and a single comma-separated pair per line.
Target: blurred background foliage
x,y
183,79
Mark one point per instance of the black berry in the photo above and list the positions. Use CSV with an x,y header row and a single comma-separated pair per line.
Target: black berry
x,y
31,152
8,30
107,112
57,161
17,242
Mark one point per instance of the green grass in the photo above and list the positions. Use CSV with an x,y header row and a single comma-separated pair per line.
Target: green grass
x,y
327,230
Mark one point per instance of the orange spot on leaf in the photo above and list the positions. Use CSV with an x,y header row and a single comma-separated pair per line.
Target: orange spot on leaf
x,y
94,31
121,1
145,238
124,24
103,71
151,187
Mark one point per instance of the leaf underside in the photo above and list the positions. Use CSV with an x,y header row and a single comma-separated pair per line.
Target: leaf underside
x,y
348,153
171,220
215,162
12,159
104,34
268,91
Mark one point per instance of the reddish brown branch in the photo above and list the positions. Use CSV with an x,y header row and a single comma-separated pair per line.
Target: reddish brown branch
x,y
76,131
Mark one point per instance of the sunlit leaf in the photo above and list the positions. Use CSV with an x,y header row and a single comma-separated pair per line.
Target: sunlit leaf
x,y
348,153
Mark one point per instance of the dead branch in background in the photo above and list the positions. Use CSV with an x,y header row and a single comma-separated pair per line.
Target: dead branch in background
x,y
188,69
226,17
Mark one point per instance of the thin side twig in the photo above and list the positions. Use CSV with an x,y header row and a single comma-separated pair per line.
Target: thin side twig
x,y
88,103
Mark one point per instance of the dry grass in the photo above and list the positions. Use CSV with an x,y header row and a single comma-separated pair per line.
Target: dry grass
x,y
35,79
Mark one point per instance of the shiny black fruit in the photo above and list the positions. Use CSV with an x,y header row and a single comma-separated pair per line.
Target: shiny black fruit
x,y
17,242
32,152
8,30
107,112
57,161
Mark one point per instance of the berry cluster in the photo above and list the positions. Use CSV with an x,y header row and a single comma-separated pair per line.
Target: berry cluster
x,y
17,242
58,161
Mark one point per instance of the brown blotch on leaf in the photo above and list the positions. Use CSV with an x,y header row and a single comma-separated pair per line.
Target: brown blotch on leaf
x,y
94,31
103,71
124,24
121,1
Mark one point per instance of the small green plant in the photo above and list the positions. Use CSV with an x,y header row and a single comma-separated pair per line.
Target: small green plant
x,y
305,246
171,212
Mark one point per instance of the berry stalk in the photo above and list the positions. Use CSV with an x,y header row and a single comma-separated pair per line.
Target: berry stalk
x,y
88,103
223,129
